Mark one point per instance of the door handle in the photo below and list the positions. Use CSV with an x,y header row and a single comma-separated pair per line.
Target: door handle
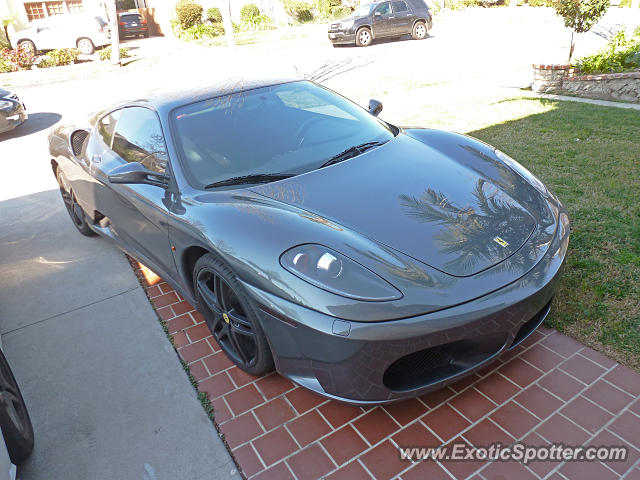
x,y
392,16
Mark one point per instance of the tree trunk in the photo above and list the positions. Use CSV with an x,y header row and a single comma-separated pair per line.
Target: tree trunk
x,y
571,48
228,24
6,34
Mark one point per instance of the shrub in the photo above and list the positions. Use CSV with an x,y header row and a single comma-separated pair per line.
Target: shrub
x,y
618,55
105,53
14,60
540,3
62,56
580,15
189,13
261,22
200,31
249,12
298,10
340,12
214,15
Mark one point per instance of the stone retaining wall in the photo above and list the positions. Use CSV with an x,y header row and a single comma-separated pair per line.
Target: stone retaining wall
x,y
562,79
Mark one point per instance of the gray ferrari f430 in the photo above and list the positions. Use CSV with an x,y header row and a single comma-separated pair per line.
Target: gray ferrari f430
x,y
364,261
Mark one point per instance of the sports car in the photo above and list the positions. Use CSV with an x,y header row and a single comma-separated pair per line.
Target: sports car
x,y
364,261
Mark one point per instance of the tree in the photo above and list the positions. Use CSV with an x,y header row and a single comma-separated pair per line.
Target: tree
x,y
6,21
228,24
580,16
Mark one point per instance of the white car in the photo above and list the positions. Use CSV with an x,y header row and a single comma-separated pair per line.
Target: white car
x,y
81,31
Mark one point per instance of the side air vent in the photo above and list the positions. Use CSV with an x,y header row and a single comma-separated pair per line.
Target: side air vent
x,y
77,141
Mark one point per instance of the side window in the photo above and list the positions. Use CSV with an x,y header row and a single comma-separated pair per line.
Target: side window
x,y
138,138
384,8
107,125
399,7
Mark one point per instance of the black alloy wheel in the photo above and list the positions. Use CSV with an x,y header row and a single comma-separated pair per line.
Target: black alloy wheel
x,y
231,317
74,209
14,417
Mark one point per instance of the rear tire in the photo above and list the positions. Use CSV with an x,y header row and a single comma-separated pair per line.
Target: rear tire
x,y
419,31
14,417
86,46
364,37
78,217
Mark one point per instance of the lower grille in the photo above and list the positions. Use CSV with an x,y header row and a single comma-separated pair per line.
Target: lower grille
x,y
529,326
438,363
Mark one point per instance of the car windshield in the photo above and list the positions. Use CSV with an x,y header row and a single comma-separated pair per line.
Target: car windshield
x,y
363,10
284,129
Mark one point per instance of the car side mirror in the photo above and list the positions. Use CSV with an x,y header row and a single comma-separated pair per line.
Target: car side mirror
x,y
375,107
136,173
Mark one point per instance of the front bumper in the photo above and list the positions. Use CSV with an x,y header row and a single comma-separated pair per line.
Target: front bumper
x,y
380,362
340,37
133,31
12,118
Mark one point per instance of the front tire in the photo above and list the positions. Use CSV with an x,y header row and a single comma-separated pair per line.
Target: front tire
x,y
231,316
75,211
419,31
14,417
86,46
364,37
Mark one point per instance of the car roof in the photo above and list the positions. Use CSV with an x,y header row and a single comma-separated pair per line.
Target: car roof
x,y
164,100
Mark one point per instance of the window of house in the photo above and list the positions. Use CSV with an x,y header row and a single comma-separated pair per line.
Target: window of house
x,y
74,6
138,138
35,11
55,8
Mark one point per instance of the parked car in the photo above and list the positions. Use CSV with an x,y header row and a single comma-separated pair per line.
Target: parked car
x,y
12,111
382,19
17,438
365,261
132,25
81,31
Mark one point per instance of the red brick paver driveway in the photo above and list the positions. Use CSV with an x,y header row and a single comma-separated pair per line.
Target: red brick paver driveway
x,y
549,389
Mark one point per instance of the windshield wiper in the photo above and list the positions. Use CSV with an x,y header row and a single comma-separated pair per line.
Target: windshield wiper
x,y
255,178
351,152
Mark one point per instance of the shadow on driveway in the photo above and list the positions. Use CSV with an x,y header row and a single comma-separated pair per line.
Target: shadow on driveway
x,y
37,121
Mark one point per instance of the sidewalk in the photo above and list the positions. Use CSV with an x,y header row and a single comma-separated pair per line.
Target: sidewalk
x,y
105,390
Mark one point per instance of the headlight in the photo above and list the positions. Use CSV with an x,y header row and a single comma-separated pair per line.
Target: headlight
x,y
347,24
522,171
6,105
329,270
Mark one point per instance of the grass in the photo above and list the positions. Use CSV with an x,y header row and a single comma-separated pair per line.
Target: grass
x,y
262,36
588,155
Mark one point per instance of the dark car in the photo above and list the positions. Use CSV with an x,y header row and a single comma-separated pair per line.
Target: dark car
x,y
12,111
365,261
132,25
382,19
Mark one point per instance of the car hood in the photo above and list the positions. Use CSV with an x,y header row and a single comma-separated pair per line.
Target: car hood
x,y
421,201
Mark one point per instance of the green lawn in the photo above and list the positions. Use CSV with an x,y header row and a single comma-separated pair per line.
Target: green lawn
x,y
590,157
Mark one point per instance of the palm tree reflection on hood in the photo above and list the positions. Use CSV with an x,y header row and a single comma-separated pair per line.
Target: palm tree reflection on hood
x,y
469,231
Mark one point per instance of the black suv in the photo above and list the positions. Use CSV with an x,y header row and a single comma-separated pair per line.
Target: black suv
x,y
382,19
